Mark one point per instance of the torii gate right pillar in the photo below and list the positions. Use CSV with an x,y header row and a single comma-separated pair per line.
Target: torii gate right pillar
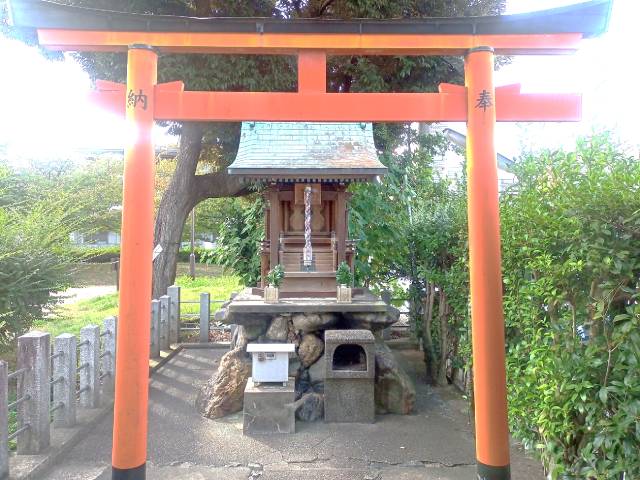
x,y
487,320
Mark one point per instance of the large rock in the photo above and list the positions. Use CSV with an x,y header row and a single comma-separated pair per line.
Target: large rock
x,y
292,334
278,329
294,366
239,338
253,331
373,321
303,383
394,390
310,407
310,349
317,370
224,392
310,322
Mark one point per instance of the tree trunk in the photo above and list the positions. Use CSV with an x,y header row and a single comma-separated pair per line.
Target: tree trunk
x,y
185,191
177,201
427,339
443,318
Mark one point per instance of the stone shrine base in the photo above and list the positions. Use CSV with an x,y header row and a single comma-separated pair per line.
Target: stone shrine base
x,y
268,408
303,322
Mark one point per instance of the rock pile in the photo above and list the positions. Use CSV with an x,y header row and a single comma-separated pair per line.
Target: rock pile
x,y
223,394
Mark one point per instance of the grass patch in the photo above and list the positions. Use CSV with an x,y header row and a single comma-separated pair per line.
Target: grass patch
x,y
70,318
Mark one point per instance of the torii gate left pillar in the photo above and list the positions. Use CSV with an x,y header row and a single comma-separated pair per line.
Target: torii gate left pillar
x,y
132,368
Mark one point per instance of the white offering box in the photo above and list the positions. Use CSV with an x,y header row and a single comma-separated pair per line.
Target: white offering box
x,y
270,361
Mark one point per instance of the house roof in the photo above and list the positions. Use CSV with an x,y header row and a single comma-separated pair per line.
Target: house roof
x,y
307,151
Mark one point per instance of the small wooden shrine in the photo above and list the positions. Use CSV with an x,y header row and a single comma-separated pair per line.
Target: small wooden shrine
x,y
307,168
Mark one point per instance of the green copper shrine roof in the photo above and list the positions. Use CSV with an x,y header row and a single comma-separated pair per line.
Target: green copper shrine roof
x,y
307,151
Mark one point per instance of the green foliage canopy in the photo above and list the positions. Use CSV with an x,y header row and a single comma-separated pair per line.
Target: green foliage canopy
x,y
34,259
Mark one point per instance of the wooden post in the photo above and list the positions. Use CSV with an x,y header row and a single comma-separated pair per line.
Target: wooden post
x,y
341,224
487,322
174,314
33,387
205,315
312,71
4,420
132,364
274,228
64,378
89,366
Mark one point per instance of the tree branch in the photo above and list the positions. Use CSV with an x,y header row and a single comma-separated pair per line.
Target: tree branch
x,y
217,185
324,7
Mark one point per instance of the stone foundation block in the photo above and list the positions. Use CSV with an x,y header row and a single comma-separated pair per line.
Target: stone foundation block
x,y
349,376
349,400
268,408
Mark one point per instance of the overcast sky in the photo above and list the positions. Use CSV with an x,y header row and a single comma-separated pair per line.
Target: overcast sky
x,y
42,108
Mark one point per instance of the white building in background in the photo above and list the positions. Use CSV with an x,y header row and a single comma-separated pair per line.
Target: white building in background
x,y
97,239
451,165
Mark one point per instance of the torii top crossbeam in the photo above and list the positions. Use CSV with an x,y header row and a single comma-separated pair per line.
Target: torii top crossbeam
x,y
479,103
71,28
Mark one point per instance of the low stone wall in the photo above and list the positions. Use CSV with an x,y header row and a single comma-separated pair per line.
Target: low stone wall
x,y
223,394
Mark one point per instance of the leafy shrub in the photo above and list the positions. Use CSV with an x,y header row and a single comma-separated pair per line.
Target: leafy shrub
x,y
571,268
275,276
34,255
96,254
107,254
239,239
200,253
343,274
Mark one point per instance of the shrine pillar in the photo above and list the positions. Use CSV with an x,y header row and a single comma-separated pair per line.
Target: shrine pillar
x,y
487,321
132,358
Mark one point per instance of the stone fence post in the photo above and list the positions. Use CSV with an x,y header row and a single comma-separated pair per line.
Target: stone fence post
x,y
174,313
108,355
4,420
64,380
205,315
34,393
155,328
89,366
165,306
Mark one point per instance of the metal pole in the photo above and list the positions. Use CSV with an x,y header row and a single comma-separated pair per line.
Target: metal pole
x,y
487,322
192,257
132,351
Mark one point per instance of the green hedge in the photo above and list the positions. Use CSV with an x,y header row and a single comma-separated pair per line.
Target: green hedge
x,y
106,254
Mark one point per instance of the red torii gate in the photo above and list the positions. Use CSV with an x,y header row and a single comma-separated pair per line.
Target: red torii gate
x,y
479,103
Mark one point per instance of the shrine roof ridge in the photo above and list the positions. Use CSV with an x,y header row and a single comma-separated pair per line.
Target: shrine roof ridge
x,y
587,18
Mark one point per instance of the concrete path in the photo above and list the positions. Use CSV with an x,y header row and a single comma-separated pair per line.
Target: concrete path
x,y
73,295
436,442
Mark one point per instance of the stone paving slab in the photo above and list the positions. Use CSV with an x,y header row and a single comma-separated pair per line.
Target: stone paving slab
x,y
436,442
189,472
